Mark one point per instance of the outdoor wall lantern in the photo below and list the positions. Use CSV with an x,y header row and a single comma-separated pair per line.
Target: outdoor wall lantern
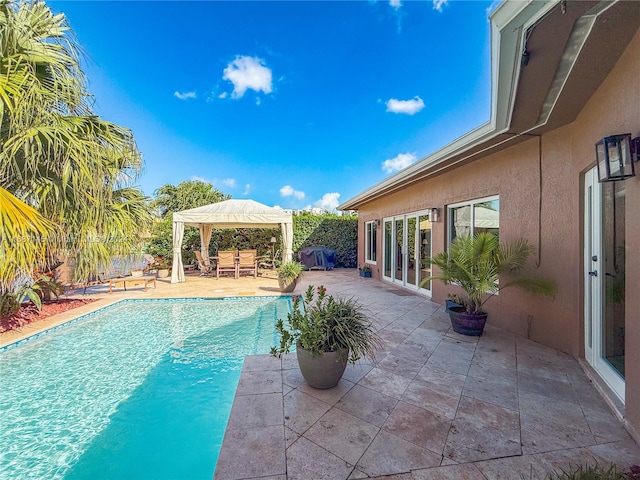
x,y
434,214
615,156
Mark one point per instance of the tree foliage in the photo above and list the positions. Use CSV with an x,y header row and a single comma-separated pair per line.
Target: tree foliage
x,y
56,155
190,194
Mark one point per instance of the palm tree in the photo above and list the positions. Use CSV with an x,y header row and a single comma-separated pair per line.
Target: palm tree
x,y
482,267
55,153
23,233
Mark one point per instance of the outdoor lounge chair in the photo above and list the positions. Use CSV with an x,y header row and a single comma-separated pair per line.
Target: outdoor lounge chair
x,y
204,269
270,262
248,262
227,263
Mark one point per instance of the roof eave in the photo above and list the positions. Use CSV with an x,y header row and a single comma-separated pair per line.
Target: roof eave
x,y
509,22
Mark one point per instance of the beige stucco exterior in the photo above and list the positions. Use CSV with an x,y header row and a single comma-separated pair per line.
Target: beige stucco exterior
x,y
565,154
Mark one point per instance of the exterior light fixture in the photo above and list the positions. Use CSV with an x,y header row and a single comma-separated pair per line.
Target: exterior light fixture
x,y
434,214
615,156
377,222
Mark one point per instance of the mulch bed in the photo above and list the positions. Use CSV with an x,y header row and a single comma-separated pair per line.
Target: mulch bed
x,y
30,314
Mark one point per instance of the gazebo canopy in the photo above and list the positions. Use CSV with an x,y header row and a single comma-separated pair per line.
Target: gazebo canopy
x,y
227,214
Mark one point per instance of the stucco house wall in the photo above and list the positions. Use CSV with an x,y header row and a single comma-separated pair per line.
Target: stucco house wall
x,y
562,156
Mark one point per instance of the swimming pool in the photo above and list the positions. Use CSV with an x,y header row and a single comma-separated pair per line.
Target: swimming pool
x,y
141,389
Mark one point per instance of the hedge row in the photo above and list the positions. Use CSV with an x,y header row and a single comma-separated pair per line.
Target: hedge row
x,y
328,230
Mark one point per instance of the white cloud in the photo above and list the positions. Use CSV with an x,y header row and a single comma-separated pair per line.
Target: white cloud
x,y
395,3
405,106
329,201
223,95
185,95
248,73
399,162
288,191
229,182
196,178
247,189
438,4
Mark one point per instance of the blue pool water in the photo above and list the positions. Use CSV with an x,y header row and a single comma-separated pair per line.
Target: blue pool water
x,y
139,390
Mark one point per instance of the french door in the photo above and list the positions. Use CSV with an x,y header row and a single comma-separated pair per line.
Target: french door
x,y
407,246
604,210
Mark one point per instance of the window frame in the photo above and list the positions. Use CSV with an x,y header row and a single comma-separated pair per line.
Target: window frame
x,y
471,204
371,230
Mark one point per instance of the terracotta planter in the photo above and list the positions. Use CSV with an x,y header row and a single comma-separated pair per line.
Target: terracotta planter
x,y
466,323
163,273
321,371
287,287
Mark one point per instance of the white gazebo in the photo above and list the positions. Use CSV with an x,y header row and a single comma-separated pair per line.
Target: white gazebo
x,y
227,214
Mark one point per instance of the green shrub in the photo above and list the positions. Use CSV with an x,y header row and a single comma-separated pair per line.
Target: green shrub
x,y
589,472
340,233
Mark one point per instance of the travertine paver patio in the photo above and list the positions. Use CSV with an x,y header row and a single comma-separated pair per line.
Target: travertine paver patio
x,y
436,405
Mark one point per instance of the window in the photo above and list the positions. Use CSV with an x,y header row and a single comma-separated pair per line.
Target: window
x,y
370,246
473,217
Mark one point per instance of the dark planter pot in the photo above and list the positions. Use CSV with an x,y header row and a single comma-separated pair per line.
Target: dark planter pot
x,y
450,304
287,287
321,371
466,323
365,274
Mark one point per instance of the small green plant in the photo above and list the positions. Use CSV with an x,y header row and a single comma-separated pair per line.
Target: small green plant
x,y
365,268
8,304
589,472
321,323
47,286
289,271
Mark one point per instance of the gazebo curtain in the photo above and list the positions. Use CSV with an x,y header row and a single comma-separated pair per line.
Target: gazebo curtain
x,y
205,238
177,271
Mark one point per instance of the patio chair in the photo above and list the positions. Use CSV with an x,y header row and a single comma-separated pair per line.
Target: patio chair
x,y
248,262
204,269
227,263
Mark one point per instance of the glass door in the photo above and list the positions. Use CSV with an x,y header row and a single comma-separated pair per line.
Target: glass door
x,y
605,279
387,245
406,246
399,251
424,242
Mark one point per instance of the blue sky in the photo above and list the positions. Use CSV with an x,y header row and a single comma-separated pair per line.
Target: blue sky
x,y
291,103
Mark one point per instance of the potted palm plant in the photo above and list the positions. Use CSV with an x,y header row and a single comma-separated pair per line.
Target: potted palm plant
x,y
288,274
482,267
328,333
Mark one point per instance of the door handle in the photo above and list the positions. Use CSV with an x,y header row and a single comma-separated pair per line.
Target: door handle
x,y
593,274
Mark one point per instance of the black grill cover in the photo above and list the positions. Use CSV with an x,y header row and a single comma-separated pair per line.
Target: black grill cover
x,y
317,257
